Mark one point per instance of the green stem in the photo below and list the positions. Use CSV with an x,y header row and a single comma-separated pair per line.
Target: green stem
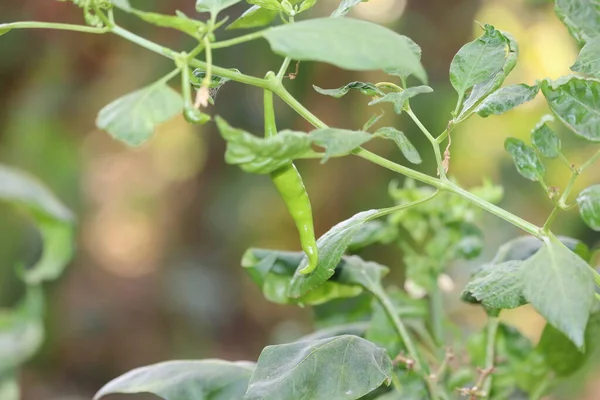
x,y
590,162
442,136
238,40
283,68
207,49
269,111
540,390
436,304
459,103
550,220
432,140
490,352
52,25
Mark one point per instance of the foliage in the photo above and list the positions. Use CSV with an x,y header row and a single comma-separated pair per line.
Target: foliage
x,y
376,341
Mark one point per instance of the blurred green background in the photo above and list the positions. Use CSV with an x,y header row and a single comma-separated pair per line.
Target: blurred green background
x,y
162,228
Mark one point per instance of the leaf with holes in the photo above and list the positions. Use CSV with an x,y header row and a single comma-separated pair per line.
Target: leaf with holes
x,y
343,368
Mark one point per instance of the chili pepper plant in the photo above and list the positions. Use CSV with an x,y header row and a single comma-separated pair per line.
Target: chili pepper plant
x,y
375,339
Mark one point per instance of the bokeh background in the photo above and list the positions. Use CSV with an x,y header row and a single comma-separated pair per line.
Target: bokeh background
x,y
162,228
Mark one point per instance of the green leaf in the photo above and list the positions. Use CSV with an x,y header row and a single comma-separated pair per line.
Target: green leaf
x,y
133,117
261,155
560,285
372,232
526,159
356,329
481,90
544,139
478,61
343,311
254,17
338,142
346,43
372,121
506,98
345,7
561,355
356,271
365,88
574,101
122,4
272,5
53,219
180,22
588,61
402,72
582,18
589,206
214,6
399,99
496,286
185,380
343,367
21,330
406,147
332,246
3,30
306,5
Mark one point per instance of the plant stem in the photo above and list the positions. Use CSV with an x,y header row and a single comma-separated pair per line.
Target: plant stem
x,y
490,353
432,140
283,68
52,25
269,111
436,305
550,219
238,40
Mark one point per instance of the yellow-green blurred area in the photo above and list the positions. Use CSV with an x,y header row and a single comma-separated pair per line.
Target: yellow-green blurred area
x,y
161,229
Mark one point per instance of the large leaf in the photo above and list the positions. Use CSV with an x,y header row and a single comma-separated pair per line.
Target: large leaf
x,y
588,61
365,88
254,17
506,98
185,380
406,147
560,285
53,219
526,159
261,155
338,142
133,117
399,99
481,90
402,72
340,368
544,139
214,6
574,101
582,17
478,61
332,246
497,286
344,7
346,43
21,330
589,206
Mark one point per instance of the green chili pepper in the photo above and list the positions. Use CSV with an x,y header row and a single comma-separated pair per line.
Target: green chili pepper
x,y
289,184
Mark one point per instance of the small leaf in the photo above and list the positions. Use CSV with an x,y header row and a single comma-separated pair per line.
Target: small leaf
x,y
588,61
478,61
3,29
561,355
272,5
21,330
53,219
544,139
177,380
133,117
399,99
356,271
338,142
261,155
306,5
346,43
365,88
526,159
254,17
345,7
122,4
560,285
332,246
406,147
481,90
372,121
506,98
582,18
589,206
180,22
574,101
342,368
214,6
496,286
